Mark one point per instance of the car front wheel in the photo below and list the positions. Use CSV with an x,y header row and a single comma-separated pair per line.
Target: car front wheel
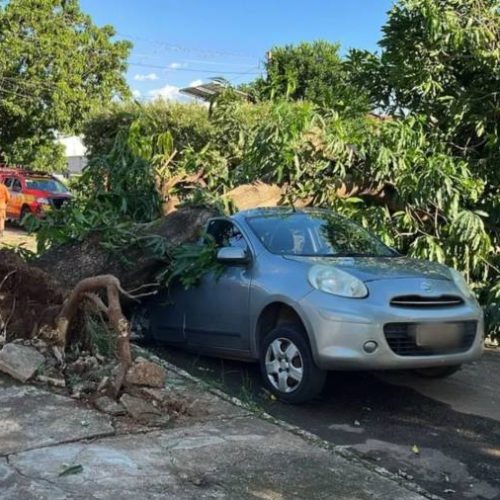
x,y
287,365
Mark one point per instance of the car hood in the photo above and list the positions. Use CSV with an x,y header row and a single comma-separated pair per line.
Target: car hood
x,y
378,268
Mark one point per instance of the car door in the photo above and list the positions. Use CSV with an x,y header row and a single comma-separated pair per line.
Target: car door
x,y
16,199
215,313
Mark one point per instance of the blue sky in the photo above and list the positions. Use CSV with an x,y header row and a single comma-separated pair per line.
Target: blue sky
x,y
179,42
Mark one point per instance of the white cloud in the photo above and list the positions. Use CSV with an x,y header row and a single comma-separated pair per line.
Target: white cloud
x,y
195,83
149,76
136,93
177,65
168,92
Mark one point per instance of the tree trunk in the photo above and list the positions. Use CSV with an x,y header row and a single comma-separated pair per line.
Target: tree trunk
x,y
44,296
72,262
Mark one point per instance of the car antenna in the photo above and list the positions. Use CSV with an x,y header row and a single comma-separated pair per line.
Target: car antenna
x,y
290,200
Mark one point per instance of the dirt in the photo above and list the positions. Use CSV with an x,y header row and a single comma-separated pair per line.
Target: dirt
x,y
15,236
28,296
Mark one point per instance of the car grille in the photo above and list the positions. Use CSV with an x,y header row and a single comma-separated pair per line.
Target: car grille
x,y
419,301
57,202
402,340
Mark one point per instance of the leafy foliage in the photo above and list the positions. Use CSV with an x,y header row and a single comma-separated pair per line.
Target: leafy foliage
x,y
56,66
424,178
314,72
190,264
440,60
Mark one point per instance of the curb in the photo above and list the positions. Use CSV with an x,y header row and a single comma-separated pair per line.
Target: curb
x,y
308,436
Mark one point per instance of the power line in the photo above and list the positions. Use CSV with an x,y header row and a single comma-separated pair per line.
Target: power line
x,y
182,48
232,80
194,70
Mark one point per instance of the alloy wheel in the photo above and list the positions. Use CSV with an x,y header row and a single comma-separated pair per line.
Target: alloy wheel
x,y
284,365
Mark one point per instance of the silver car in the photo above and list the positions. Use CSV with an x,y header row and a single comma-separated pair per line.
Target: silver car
x,y
306,291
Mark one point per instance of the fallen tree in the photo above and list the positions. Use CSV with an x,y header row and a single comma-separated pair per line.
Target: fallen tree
x,y
50,298
74,261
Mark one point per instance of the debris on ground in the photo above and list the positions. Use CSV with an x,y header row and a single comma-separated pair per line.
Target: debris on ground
x,y
109,406
144,372
140,409
87,376
20,361
71,470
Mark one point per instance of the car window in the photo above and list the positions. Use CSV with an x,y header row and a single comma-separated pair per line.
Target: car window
x,y
226,234
8,182
44,184
321,234
16,184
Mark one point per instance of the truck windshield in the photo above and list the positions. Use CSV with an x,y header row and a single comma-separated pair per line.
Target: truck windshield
x,y
317,234
50,185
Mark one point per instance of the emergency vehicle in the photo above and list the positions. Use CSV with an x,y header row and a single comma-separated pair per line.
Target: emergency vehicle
x,y
32,192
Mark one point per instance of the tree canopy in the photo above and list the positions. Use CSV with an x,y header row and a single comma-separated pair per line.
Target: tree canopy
x,y
56,66
424,178
314,72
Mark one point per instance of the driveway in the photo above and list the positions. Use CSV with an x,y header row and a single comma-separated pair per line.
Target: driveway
x,y
445,435
17,236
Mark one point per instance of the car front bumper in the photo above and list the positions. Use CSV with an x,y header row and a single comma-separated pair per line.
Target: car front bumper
x,y
339,328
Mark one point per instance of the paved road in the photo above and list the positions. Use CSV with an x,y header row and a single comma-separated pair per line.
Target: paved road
x,y
443,434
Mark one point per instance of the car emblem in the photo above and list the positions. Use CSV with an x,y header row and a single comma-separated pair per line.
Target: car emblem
x,y
426,286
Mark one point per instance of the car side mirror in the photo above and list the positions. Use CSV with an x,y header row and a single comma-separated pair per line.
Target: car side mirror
x,y
232,255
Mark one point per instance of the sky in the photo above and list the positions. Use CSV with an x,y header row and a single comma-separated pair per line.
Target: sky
x,y
178,43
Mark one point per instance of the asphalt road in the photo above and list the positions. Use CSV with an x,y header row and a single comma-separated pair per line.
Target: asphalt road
x,y
444,435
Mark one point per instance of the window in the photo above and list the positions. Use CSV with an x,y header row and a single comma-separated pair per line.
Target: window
x,y
44,184
226,234
16,185
318,234
8,182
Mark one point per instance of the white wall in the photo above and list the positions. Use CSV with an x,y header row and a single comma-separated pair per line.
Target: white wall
x,y
75,152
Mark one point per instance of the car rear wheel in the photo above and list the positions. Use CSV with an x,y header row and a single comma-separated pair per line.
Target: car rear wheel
x,y
437,371
287,365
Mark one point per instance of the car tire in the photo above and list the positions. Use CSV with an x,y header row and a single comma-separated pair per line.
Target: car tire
x,y
24,212
287,349
437,371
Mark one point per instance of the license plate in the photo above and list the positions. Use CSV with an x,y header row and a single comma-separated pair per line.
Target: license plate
x,y
438,335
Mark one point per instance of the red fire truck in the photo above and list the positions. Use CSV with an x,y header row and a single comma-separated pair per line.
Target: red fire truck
x,y
32,192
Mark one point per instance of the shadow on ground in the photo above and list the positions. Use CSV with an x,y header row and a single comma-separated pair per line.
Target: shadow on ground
x,y
448,453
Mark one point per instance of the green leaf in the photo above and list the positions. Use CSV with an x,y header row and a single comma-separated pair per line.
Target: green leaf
x,y
71,470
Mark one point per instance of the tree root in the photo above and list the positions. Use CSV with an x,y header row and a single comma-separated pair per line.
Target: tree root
x,y
87,290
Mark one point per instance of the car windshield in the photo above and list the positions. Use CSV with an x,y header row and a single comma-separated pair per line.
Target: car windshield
x,y
318,234
43,184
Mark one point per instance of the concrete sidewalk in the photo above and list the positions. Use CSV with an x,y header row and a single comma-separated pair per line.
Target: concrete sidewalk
x,y
53,447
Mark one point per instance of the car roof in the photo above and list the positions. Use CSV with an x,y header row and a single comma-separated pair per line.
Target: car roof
x,y
10,172
283,210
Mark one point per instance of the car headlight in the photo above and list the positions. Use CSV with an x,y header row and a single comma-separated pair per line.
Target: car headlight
x,y
332,280
42,201
461,284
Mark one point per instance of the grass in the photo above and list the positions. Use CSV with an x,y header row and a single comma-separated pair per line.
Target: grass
x,y
100,336
247,393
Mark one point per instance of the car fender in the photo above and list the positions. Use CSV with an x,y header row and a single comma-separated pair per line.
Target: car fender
x,y
294,305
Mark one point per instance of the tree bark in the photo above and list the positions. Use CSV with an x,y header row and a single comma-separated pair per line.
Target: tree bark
x,y
72,262
43,297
